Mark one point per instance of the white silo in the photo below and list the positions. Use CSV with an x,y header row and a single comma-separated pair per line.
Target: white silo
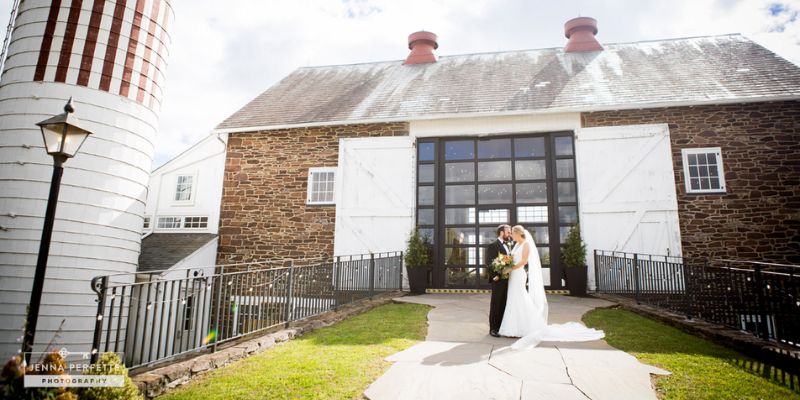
x,y
110,57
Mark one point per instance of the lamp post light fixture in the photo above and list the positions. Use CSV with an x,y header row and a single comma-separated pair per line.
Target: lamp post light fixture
x,y
63,135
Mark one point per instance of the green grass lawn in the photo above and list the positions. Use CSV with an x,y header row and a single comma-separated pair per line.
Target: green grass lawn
x,y
700,369
336,362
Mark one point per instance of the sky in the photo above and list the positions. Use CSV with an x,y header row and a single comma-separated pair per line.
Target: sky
x,y
223,57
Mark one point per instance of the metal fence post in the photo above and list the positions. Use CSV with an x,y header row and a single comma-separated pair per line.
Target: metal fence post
x,y
400,273
336,270
763,332
689,289
596,272
288,305
371,274
98,286
219,286
636,276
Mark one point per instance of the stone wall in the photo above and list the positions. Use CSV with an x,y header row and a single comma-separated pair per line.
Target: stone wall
x,y
759,216
263,213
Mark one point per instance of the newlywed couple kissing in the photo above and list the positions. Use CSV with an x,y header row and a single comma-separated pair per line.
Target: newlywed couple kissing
x,y
519,312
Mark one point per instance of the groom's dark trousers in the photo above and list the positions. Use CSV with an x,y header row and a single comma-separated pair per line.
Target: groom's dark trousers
x,y
497,306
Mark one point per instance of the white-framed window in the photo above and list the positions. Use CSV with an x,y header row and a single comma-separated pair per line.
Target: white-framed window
x,y
195,222
703,171
180,222
146,223
320,185
183,188
494,216
169,223
532,214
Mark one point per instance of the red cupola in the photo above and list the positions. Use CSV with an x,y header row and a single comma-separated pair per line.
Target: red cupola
x,y
580,32
422,44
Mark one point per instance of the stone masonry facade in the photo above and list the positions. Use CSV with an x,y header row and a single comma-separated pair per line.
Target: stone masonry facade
x,y
263,214
758,218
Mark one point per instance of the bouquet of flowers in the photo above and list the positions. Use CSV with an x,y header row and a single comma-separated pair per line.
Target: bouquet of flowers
x,y
502,262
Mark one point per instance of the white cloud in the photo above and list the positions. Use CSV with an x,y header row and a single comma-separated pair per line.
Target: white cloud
x,y
222,57
752,18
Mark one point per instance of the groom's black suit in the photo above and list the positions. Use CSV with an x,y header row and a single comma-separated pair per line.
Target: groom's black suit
x,y
499,287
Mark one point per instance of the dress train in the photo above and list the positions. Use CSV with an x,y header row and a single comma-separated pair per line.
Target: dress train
x,y
526,310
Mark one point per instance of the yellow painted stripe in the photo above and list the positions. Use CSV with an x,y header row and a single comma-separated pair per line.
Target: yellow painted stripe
x,y
483,291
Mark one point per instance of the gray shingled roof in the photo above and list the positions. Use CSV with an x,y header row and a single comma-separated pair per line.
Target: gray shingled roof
x,y
163,250
703,70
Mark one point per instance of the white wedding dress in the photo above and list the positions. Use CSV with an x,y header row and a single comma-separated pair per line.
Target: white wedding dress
x,y
526,310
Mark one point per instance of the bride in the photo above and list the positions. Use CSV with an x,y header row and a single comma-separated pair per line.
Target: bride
x,y
525,316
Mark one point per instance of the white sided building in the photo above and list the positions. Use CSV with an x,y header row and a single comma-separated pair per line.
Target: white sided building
x,y
179,249
181,218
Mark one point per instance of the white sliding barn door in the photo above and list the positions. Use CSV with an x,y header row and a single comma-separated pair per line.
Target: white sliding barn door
x,y
626,191
374,195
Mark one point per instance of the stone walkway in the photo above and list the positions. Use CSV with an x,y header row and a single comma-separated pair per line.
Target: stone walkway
x,y
459,360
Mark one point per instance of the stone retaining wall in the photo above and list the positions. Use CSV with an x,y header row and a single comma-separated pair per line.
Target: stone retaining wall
x,y
157,381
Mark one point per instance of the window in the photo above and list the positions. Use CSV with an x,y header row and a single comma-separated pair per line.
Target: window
x,y
183,188
146,224
495,216
195,222
466,186
702,170
169,223
535,214
426,151
320,185
179,222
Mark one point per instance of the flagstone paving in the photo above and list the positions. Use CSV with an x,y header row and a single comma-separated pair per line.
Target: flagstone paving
x,y
459,360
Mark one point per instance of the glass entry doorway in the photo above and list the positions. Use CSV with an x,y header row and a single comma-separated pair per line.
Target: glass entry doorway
x,y
469,186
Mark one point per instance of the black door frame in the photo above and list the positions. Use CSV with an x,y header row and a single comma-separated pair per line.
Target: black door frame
x,y
438,276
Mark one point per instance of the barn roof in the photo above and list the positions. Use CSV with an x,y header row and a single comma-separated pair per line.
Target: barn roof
x,y
161,251
688,71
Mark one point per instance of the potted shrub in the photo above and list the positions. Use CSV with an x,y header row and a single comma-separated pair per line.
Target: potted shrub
x,y
573,256
417,259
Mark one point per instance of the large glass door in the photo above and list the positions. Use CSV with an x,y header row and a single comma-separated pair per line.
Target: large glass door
x,y
468,186
460,250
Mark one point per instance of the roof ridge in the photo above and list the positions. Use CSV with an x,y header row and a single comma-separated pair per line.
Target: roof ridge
x,y
680,38
523,50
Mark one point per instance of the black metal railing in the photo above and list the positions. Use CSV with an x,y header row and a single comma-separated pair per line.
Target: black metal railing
x,y
761,298
165,314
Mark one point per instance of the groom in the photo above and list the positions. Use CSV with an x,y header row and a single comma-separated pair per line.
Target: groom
x,y
497,307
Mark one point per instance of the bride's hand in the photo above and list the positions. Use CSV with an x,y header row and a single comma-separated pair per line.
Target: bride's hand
x,y
507,270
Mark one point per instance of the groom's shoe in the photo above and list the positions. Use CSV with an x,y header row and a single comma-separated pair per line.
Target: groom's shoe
x,y
494,333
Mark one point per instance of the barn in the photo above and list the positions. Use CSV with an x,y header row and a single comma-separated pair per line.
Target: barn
x,y
685,147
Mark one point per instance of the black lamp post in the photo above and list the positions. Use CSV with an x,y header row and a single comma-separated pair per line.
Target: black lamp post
x,y
63,136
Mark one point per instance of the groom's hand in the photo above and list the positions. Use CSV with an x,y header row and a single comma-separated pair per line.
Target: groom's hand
x,y
496,278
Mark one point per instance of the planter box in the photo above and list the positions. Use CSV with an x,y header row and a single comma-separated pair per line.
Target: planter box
x,y
576,280
417,279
